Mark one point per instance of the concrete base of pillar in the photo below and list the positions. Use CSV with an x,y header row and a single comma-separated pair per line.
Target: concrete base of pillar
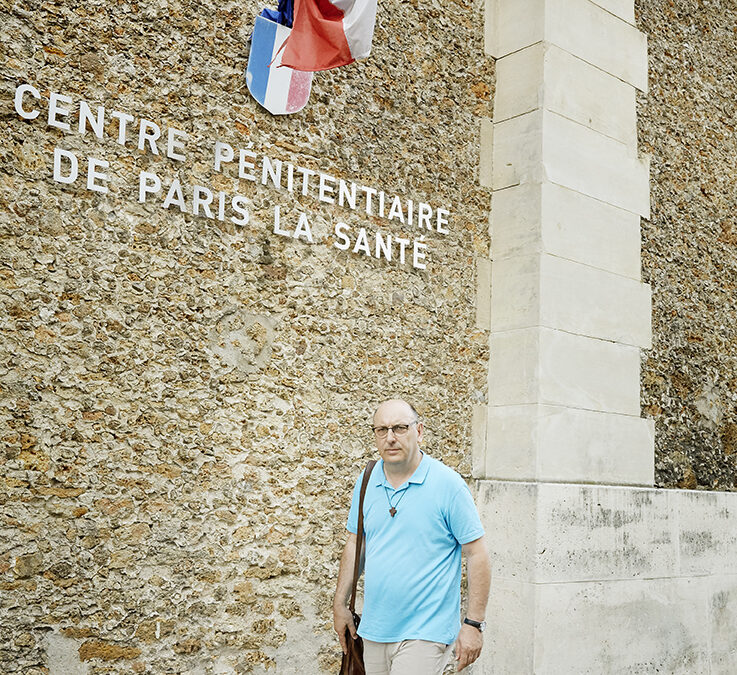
x,y
602,579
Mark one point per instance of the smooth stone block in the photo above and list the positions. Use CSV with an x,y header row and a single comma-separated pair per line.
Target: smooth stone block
x,y
624,9
561,532
580,532
587,373
592,533
582,28
540,365
513,441
590,96
598,573
486,150
602,39
520,77
516,293
545,76
514,370
546,290
510,618
508,512
548,218
542,146
518,151
634,626
586,161
479,424
597,447
510,25
550,443
483,293
516,221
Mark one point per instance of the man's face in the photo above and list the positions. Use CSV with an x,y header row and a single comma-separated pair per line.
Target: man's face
x,y
398,449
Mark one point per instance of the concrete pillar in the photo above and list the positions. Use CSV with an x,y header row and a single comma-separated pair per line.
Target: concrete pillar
x,y
593,571
568,312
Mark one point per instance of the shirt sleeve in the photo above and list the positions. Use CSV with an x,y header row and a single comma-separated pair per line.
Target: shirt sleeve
x,y
352,524
463,518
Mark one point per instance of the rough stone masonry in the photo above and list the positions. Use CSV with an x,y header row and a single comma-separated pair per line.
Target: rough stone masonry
x,y
689,245
185,401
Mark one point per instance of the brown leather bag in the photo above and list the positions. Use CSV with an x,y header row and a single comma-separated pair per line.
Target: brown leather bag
x,y
352,663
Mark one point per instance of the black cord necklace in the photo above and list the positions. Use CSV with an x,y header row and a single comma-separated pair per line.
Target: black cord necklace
x,y
393,509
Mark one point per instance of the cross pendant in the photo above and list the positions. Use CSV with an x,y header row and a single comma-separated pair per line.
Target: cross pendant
x,y
392,512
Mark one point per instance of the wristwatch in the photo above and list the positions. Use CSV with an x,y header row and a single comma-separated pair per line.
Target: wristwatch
x,y
481,625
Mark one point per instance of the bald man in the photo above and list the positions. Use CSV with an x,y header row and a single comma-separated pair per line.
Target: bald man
x,y
419,519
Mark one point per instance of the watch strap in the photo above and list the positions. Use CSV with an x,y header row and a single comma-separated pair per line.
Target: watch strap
x,y
480,625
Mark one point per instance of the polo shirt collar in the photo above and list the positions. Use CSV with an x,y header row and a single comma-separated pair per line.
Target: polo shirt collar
x,y
417,477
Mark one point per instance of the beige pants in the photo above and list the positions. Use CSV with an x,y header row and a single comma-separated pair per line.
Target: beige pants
x,y
410,657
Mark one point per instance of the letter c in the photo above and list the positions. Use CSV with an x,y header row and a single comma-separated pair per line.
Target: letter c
x,y
22,89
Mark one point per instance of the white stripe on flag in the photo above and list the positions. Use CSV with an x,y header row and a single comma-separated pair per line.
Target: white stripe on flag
x,y
359,17
277,89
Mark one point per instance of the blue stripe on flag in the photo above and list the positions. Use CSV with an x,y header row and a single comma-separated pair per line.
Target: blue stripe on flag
x,y
262,51
284,14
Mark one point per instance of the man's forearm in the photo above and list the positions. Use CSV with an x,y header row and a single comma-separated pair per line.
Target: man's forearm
x,y
479,581
345,573
342,619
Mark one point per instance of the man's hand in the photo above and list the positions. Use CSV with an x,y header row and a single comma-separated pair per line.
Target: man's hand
x,y
468,646
342,619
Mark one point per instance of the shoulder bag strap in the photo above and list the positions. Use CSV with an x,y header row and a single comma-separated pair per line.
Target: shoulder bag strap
x,y
359,534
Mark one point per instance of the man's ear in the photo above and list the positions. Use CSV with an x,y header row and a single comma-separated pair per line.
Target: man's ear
x,y
420,431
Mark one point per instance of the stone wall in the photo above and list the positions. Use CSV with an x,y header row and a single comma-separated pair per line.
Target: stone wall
x,y
184,402
687,126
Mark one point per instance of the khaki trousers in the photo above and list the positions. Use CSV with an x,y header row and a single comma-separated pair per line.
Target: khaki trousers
x,y
409,657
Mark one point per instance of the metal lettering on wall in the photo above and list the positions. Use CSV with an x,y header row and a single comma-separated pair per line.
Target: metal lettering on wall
x,y
245,164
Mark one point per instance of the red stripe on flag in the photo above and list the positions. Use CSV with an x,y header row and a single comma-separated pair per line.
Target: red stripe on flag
x,y
318,40
299,91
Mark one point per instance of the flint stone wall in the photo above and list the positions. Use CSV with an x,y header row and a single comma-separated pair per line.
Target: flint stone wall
x,y
184,403
689,244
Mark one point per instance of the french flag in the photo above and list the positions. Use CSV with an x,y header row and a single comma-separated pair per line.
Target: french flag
x,y
281,91
329,33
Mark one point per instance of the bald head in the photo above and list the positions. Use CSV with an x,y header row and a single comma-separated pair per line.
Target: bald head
x,y
397,406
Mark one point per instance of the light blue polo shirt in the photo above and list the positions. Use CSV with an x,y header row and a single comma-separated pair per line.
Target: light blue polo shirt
x,y
412,587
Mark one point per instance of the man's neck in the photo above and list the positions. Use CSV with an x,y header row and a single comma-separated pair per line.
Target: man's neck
x,y
398,474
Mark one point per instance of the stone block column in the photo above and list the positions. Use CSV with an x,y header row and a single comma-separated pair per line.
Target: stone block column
x,y
568,312
593,570
590,563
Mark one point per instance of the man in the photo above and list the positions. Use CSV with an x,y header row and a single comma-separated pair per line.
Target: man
x,y
419,517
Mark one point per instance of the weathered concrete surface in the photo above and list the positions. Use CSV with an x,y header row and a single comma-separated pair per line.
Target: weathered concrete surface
x,y
594,579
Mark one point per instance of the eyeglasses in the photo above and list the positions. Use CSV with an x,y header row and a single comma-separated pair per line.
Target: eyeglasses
x,y
397,429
